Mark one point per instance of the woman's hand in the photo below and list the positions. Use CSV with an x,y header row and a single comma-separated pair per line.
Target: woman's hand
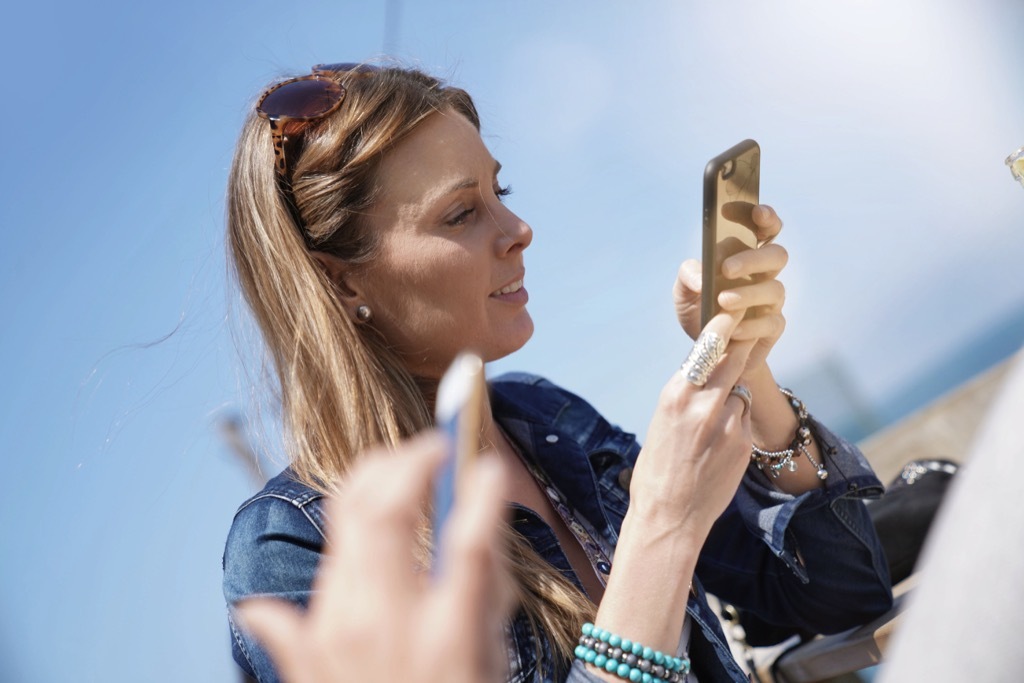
x,y
373,617
697,446
759,303
695,453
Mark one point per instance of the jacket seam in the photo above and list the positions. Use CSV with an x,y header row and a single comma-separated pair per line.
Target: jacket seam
x,y
240,642
301,507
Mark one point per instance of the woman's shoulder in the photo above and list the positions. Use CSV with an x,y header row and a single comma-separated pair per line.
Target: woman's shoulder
x,y
287,488
533,387
537,400
533,396
283,500
280,527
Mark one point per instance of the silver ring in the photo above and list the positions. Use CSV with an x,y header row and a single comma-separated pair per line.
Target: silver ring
x,y
703,358
743,394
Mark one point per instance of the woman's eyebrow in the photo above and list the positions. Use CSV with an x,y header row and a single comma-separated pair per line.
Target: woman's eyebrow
x,y
468,182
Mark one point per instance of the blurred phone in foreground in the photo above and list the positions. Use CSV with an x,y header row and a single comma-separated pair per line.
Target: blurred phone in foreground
x,y
731,188
459,413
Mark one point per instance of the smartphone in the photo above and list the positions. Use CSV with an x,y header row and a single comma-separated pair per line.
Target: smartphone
x,y
459,414
731,186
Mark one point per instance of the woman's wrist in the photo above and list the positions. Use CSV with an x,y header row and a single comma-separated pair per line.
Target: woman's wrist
x,y
662,529
645,599
774,423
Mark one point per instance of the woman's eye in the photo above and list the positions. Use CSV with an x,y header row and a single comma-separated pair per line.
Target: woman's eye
x,y
461,217
464,215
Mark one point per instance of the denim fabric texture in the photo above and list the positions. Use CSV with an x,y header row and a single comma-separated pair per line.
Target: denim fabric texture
x,y
810,562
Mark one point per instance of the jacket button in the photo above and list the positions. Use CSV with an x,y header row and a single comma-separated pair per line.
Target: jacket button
x,y
552,438
625,476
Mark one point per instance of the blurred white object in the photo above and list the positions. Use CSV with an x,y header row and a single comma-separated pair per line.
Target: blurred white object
x,y
964,621
1016,163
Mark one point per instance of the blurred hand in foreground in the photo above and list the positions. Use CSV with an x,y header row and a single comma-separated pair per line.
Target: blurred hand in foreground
x,y
373,615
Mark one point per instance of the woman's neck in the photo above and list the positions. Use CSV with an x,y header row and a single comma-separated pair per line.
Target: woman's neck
x,y
489,430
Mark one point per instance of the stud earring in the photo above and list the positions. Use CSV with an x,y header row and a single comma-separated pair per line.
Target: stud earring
x,y
363,313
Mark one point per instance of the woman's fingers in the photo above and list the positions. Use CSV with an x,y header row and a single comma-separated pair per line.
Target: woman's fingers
x,y
762,327
370,611
728,368
377,515
689,277
473,594
766,262
766,223
469,540
686,295
728,371
768,294
742,394
707,351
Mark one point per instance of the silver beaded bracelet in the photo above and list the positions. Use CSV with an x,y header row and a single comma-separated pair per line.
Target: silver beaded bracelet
x,y
773,462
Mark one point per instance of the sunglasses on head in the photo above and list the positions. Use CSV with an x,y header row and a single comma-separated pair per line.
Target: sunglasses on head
x,y
290,105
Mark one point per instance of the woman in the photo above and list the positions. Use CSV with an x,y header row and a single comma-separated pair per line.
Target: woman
x,y
370,239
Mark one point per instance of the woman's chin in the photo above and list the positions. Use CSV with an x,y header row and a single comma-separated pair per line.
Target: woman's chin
x,y
513,340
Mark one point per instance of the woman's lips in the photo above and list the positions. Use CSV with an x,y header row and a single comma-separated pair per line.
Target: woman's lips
x,y
513,293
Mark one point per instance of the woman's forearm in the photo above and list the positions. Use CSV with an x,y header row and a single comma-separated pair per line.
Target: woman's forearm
x,y
773,425
645,599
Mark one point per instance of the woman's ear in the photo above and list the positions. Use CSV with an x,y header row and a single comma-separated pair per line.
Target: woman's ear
x,y
340,273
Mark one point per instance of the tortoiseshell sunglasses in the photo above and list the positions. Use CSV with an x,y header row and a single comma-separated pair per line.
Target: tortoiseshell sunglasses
x,y
290,105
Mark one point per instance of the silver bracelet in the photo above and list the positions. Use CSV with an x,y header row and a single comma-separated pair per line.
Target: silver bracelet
x,y
775,461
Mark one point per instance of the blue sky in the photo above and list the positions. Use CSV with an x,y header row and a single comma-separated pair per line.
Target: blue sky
x,y
883,125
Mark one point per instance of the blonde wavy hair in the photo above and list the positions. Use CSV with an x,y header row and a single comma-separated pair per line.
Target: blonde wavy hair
x,y
342,390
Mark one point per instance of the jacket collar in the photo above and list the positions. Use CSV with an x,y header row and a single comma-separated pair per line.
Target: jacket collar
x,y
530,415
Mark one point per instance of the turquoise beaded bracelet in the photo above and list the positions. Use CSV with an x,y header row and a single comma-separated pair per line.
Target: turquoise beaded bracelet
x,y
629,660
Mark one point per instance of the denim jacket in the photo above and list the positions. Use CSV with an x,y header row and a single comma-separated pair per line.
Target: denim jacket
x,y
810,562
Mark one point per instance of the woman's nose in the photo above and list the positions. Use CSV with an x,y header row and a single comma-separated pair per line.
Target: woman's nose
x,y
515,234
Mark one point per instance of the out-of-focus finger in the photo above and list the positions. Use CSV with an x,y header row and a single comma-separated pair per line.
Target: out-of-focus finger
x,y
469,537
278,625
373,521
768,261
473,592
770,293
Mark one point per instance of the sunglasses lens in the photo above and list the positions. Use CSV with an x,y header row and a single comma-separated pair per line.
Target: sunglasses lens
x,y
302,99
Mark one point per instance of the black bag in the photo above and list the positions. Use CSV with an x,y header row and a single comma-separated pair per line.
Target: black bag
x,y
902,518
905,512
